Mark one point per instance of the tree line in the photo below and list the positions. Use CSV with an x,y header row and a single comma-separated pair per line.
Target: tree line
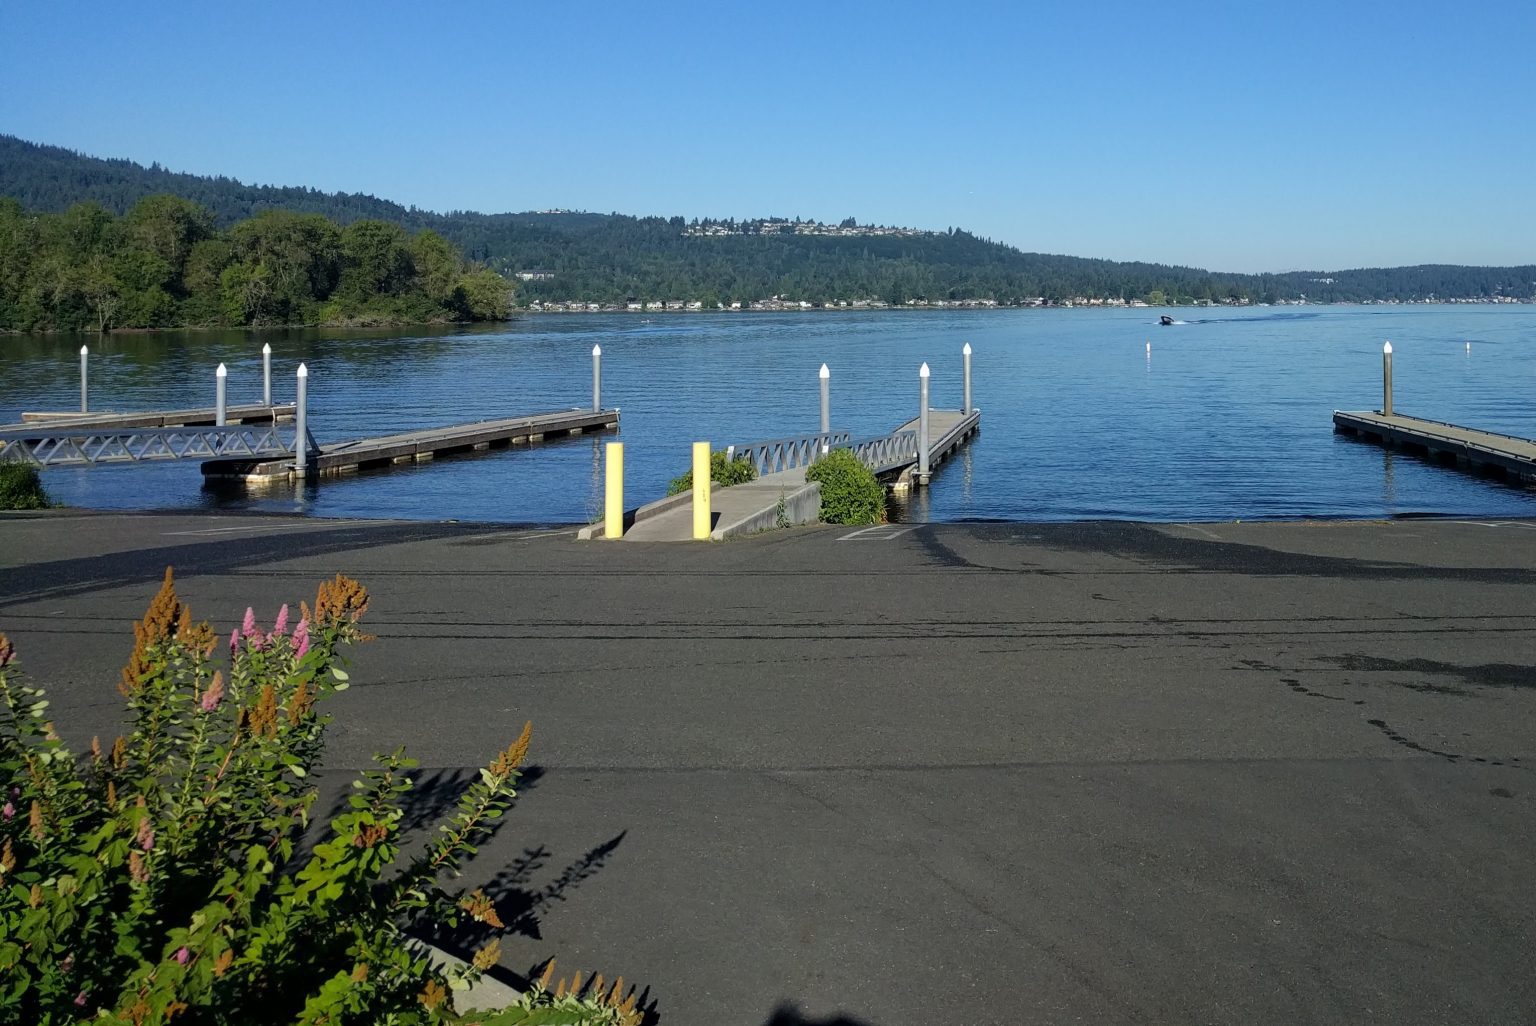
x,y
614,258
164,264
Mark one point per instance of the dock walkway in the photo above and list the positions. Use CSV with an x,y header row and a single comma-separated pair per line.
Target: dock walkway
x,y
202,416
419,446
1467,447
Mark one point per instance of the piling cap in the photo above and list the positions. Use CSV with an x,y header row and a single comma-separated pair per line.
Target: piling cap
x,y
1387,348
266,348
597,350
84,350
824,372
922,371
967,349
221,372
303,371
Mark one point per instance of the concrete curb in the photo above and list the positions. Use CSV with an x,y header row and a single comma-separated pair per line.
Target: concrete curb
x,y
801,506
485,994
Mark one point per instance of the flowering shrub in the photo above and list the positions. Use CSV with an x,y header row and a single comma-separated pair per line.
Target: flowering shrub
x,y
160,879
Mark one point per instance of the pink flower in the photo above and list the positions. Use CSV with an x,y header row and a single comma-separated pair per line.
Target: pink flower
x,y
9,812
80,999
146,834
234,641
182,954
301,639
210,700
281,626
249,630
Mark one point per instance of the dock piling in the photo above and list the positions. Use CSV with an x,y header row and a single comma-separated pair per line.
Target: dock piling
x,y
221,376
597,378
701,517
826,403
966,409
922,426
613,510
85,360
301,426
1386,380
266,374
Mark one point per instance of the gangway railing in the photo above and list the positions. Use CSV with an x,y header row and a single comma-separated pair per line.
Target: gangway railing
x,y
781,454
63,447
888,452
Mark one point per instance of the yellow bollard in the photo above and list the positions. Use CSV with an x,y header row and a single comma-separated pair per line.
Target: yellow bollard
x,y
701,518
613,512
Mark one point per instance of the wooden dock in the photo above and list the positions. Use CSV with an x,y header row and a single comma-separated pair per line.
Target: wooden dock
x,y
419,446
203,416
1452,444
948,430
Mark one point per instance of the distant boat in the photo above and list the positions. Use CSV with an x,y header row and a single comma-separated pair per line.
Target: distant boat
x,y
1165,320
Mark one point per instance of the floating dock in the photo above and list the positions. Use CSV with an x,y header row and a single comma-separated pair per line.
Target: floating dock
x,y
418,446
203,416
1452,444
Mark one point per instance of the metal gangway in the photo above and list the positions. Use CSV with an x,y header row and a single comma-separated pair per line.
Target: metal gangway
x,y
885,454
52,446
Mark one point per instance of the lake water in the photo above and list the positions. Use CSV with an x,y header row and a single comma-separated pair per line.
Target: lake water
x,y
1227,418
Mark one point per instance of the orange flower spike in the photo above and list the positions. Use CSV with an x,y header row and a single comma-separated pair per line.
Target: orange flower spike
x,y
488,955
549,970
513,757
164,611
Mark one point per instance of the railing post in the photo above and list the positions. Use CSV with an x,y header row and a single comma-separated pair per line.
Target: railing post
x,y
701,517
922,426
966,409
826,405
613,511
300,419
85,360
597,378
266,375
220,376
1386,380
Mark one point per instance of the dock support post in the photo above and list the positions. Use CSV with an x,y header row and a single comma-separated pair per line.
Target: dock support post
x,y
220,377
266,375
922,427
301,418
613,511
597,378
701,517
826,405
85,360
1386,380
967,353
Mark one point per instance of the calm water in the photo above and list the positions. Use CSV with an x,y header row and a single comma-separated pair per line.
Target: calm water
x,y
1228,418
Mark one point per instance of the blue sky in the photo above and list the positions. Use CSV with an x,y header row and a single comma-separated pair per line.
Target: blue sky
x,y
1223,135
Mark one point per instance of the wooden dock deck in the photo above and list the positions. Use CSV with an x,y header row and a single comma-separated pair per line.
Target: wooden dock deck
x,y
1449,443
419,446
202,416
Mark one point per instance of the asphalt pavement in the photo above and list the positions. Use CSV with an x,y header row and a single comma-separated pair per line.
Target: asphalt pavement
x,y
992,773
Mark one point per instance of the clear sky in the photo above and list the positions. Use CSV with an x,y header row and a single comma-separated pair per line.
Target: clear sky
x,y
1232,136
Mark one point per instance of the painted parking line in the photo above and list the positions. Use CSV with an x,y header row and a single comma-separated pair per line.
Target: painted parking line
x,y
253,527
880,532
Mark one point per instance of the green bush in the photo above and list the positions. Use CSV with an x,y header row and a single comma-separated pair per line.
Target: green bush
x,y
850,492
21,487
162,879
726,472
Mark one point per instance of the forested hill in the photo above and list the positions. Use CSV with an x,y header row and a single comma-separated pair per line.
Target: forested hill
x,y
614,258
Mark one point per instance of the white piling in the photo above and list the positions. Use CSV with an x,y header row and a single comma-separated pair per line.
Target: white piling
x,y
301,427
220,376
85,360
1386,380
826,402
922,426
966,352
597,378
266,375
